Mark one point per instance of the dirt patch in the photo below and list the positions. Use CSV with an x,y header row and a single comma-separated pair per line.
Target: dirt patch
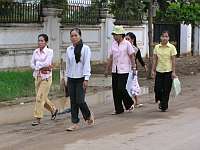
x,y
185,65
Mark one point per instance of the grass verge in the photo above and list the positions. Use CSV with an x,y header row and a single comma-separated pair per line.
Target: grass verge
x,y
16,84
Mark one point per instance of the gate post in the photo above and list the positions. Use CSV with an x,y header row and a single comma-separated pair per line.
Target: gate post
x,y
52,29
185,39
196,41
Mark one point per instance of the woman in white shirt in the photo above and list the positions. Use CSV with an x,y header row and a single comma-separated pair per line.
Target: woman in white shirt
x,y
78,72
41,62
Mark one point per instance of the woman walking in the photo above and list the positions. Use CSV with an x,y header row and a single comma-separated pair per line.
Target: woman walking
x,y
41,62
122,60
78,57
163,70
132,39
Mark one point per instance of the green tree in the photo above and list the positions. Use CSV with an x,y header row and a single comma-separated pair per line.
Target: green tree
x,y
131,10
187,12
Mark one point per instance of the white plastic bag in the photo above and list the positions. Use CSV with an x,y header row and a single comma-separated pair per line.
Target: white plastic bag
x,y
132,85
176,85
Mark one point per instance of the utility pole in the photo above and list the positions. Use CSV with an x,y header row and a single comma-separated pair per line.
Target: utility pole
x,y
150,36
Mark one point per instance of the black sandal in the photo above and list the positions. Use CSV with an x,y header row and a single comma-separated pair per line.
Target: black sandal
x,y
53,116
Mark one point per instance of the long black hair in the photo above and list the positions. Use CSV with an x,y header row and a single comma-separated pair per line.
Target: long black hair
x,y
133,37
79,45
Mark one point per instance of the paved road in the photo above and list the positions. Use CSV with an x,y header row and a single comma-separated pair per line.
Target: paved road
x,y
144,129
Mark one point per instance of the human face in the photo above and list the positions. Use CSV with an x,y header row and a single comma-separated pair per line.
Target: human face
x,y
117,37
164,38
75,37
129,39
41,42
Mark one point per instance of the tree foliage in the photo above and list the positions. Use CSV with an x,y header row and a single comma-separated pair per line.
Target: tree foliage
x,y
132,9
187,12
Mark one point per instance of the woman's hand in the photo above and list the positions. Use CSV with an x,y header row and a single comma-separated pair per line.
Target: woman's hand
x,y
106,73
45,70
85,85
174,75
62,84
145,68
153,74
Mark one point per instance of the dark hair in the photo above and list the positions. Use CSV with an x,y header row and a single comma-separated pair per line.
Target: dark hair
x,y
78,47
77,30
165,31
132,36
45,36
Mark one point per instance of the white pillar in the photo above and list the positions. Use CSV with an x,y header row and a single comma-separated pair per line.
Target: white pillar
x,y
197,40
52,29
185,39
108,23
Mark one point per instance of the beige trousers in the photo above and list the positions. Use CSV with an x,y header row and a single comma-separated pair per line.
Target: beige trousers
x,y
42,88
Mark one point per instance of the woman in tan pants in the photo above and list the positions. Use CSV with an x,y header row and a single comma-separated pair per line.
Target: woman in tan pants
x,y
41,62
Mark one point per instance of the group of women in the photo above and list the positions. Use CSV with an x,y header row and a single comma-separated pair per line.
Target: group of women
x,y
122,58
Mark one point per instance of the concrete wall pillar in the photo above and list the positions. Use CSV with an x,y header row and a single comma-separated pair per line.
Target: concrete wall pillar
x,y
52,29
197,40
185,39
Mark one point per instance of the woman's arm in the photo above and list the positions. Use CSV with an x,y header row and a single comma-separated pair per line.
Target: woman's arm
x,y
155,61
174,67
108,65
87,66
33,62
139,57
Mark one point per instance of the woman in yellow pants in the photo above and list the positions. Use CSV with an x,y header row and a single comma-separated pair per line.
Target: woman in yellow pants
x,y
41,62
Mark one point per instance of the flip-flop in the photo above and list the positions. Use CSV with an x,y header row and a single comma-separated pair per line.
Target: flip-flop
x,y
91,121
138,105
115,113
35,123
53,117
73,127
131,109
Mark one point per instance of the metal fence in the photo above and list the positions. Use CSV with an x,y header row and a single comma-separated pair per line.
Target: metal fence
x,y
123,18
14,12
81,12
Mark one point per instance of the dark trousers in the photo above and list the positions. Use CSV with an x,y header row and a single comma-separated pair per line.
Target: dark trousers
x,y
77,99
162,88
120,93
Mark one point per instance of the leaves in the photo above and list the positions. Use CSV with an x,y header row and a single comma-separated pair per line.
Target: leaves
x,y
127,10
181,12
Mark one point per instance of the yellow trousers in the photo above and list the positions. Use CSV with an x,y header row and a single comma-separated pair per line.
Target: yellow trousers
x,y
42,88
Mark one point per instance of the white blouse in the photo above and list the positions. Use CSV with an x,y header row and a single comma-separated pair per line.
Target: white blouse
x,y
80,69
42,59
